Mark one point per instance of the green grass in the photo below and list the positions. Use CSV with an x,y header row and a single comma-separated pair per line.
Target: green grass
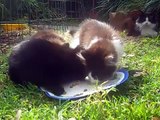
x,y
136,99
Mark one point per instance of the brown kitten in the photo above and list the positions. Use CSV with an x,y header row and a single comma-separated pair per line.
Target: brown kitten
x,y
102,47
116,19
125,21
49,35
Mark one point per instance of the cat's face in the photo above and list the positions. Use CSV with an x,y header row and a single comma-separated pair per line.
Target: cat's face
x,y
101,60
146,21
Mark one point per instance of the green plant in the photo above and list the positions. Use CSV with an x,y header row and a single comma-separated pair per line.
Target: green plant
x,y
106,6
3,10
152,5
27,9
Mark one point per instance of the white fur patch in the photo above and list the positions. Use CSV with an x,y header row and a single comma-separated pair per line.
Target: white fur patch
x,y
109,59
75,41
93,41
147,28
110,56
118,46
148,32
101,23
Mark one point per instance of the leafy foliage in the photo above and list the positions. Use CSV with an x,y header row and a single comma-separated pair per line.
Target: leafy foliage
x,y
32,9
106,6
152,5
3,10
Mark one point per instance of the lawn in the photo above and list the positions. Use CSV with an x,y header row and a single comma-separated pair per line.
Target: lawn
x,y
136,99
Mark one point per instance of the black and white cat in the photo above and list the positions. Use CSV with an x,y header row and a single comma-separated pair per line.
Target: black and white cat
x,y
102,48
146,24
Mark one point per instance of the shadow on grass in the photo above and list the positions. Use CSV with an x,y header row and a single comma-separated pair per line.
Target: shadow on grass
x,y
131,86
17,93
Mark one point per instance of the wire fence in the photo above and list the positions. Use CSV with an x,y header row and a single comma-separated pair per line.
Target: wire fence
x,y
20,18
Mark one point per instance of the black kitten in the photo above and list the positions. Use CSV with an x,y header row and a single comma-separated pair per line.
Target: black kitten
x,y
45,64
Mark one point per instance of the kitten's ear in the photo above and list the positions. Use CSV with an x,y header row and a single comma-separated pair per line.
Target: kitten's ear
x,y
110,60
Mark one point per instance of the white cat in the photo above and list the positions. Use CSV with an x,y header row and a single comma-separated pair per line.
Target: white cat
x,y
146,24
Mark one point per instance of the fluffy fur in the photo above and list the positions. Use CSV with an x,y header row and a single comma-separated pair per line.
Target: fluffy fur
x,y
48,35
125,21
116,19
45,64
102,47
146,24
